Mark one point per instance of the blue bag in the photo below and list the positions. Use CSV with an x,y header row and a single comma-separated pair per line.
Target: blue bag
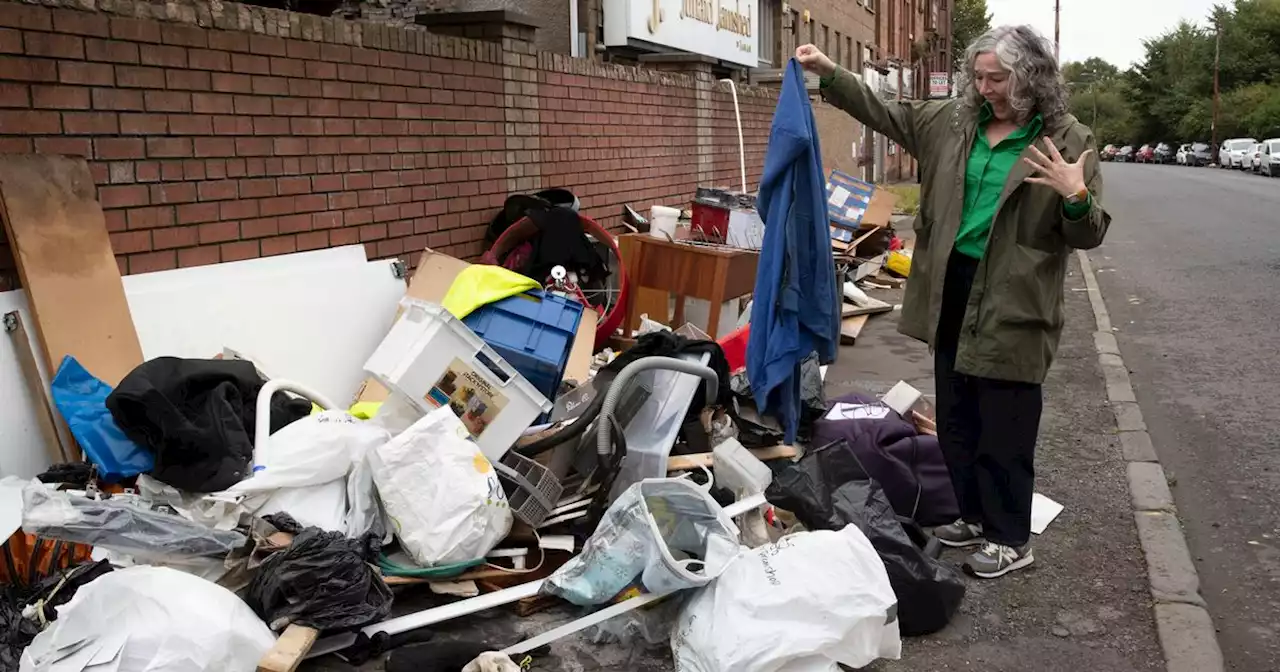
x,y
81,399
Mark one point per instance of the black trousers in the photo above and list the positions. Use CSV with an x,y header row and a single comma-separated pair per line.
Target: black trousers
x,y
987,428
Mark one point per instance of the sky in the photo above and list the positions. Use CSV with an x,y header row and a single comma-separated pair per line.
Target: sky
x,y
1109,29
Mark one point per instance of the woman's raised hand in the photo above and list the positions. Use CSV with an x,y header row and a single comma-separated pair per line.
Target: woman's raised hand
x,y
813,60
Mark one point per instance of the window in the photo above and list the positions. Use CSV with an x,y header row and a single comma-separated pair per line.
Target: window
x,y
859,58
848,53
768,43
826,39
813,32
839,59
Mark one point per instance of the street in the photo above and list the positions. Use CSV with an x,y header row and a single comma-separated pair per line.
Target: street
x,y
1190,272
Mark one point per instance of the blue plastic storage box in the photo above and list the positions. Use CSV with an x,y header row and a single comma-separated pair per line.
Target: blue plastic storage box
x,y
533,331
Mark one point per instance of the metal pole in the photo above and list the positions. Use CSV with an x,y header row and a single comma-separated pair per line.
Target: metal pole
x,y
1057,30
1095,107
1217,57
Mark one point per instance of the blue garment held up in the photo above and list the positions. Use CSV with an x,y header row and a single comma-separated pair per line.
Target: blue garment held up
x,y
796,306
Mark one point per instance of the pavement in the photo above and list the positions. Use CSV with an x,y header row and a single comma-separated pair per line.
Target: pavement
x,y
1190,272
1085,604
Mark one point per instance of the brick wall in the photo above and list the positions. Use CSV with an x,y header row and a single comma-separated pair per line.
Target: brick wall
x,y
226,132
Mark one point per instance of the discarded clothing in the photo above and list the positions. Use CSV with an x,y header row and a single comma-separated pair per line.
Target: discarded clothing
x,y
561,242
57,589
796,306
197,416
322,580
909,465
481,284
81,399
437,656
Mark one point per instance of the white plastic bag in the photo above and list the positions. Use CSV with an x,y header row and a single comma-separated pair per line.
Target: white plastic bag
x,y
441,494
667,531
829,589
151,619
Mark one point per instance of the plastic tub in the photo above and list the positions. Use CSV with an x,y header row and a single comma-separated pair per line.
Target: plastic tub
x,y
533,331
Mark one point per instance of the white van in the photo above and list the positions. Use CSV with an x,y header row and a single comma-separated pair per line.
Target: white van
x,y
1270,157
1234,153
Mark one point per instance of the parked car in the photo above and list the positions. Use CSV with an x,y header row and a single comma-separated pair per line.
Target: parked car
x,y
1255,158
1164,153
1181,157
1147,154
1233,152
1125,154
1271,157
1108,153
1201,154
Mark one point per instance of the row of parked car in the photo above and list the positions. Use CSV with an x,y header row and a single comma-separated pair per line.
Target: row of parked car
x,y
1238,153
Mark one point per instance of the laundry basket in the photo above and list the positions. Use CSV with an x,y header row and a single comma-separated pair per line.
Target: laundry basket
x,y
531,488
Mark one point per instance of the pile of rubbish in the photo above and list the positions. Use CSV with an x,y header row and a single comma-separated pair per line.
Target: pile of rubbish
x,y
511,443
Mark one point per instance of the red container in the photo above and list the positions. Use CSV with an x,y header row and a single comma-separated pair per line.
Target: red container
x,y
735,348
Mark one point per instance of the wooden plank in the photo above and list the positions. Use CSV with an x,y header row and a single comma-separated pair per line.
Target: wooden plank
x,y
292,646
851,327
63,253
924,424
849,310
45,417
687,462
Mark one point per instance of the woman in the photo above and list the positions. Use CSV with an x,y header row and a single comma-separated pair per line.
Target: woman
x,y
998,219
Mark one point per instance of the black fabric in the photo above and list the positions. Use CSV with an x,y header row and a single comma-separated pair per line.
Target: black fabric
x,y
70,473
197,416
57,589
438,656
516,207
16,632
827,490
909,465
668,344
987,428
322,580
561,242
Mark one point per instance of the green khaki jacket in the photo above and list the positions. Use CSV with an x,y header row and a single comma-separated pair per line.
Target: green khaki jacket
x,y
1015,314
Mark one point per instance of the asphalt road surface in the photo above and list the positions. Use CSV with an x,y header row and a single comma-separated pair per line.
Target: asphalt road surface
x,y
1191,275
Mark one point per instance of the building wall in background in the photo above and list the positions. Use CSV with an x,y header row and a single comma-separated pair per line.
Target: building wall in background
x,y
225,132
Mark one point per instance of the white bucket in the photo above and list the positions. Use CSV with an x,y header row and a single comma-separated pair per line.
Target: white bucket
x,y
662,222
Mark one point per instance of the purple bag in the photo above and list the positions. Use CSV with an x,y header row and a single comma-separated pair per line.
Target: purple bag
x,y
909,465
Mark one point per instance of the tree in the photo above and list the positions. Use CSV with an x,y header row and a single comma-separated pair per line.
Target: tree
x,y
970,20
1090,70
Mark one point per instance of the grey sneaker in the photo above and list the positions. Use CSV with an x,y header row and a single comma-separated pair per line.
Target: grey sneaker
x,y
959,534
996,560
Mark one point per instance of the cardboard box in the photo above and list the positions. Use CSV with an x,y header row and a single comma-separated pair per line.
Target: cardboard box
x,y
854,204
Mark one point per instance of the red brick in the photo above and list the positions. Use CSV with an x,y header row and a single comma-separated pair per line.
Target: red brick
x,y
267,45
279,245
196,213
171,171
217,232
226,40
164,56
250,65
90,123
237,167
353,73
30,69
336,89
60,97
53,45
205,59
240,250
289,146
206,147
139,77
227,125
168,101
190,124
316,146
252,105
29,122
231,82
114,220
259,228
147,171
253,146
17,15
13,145
199,256
293,185
123,196
277,206
259,188
306,126
321,70
289,107
95,74
179,236
150,218
130,242
151,262
144,124
179,192
14,95
270,126
348,236
212,103
326,220
295,223
232,210
301,49
111,51
119,148
217,190
188,80
335,52
314,240
168,147
184,36
326,183
270,86
287,67
137,30
69,147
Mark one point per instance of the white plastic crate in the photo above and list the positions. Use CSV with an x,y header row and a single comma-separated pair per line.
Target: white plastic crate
x,y
432,358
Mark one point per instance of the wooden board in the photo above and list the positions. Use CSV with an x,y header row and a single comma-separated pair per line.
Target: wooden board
x,y
687,462
849,310
45,417
63,253
851,327
292,646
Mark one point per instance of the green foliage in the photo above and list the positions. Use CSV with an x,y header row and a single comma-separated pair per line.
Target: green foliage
x,y
970,21
1168,96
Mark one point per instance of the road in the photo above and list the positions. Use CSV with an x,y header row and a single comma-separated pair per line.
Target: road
x,y
1191,275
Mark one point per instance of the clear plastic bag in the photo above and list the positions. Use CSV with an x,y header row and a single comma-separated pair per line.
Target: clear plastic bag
x,y
669,532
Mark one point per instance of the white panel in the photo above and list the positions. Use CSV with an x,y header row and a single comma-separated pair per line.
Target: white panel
x,y
22,449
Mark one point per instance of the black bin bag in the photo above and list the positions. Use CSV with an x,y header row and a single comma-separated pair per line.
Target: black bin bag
x,y
827,490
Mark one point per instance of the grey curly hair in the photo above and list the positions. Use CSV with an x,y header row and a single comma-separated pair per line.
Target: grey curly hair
x,y
1035,82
